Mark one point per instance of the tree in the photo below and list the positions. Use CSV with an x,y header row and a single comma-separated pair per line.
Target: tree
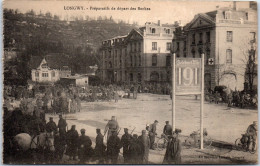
x,y
251,68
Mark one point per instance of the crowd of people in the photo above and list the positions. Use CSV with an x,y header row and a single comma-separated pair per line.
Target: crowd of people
x,y
234,98
135,148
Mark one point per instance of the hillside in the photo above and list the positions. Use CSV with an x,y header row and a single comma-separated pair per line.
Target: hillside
x,y
38,35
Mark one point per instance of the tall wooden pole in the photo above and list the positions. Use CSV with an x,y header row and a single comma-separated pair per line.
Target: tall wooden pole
x,y
173,92
202,101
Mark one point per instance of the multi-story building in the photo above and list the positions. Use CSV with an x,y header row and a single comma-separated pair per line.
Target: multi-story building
x,y
50,68
224,36
141,56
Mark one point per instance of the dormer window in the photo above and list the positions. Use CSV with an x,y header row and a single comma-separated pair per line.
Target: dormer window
x,y
227,14
153,30
44,66
246,16
167,31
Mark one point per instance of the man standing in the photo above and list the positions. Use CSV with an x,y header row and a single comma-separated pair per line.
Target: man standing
x,y
252,134
51,126
152,134
84,146
167,130
173,151
72,142
62,124
100,148
113,147
144,139
125,141
112,125
135,151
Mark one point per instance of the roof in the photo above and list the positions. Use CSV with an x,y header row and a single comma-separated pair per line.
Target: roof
x,y
54,60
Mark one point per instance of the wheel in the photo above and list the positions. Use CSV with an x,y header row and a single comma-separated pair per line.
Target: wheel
x,y
250,148
239,145
161,144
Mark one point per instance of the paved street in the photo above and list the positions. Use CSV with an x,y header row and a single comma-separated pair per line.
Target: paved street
x,y
222,124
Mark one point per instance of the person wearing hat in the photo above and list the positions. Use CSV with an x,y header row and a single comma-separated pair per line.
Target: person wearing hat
x,y
125,141
252,135
167,130
62,124
51,126
113,148
144,139
112,125
85,151
72,142
100,148
135,150
173,151
152,134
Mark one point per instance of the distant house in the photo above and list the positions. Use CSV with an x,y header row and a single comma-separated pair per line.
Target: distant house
x,y
50,68
77,80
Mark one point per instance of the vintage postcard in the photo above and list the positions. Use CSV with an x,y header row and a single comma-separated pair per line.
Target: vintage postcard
x,y
130,82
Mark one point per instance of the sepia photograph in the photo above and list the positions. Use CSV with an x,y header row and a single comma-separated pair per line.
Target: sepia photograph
x,y
130,82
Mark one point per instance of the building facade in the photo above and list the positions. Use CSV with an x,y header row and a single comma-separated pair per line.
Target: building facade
x,y
144,55
224,36
50,68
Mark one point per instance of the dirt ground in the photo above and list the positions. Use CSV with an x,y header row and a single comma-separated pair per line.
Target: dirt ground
x,y
223,124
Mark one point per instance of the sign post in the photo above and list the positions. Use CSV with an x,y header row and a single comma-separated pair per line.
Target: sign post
x,y
202,101
188,79
173,93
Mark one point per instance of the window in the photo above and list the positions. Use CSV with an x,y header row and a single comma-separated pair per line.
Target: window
x,y
36,74
45,74
139,46
135,47
131,60
229,56
140,61
193,39
154,45
135,60
168,60
167,31
246,16
193,53
168,46
53,73
178,46
229,36
154,60
153,30
184,45
44,65
139,77
201,36
207,55
131,77
208,37
227,14
110,53
252,37
116,53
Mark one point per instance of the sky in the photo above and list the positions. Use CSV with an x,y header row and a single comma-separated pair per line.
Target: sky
x,y
164,10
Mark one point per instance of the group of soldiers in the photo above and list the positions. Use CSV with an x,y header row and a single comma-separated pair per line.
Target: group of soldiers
x,y
135,148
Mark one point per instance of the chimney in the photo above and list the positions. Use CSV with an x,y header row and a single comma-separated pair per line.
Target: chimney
x,y
234,5
159,23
